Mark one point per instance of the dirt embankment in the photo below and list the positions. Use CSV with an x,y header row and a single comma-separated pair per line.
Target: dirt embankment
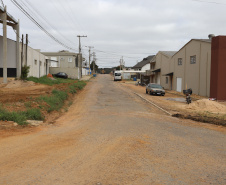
x,y
20,95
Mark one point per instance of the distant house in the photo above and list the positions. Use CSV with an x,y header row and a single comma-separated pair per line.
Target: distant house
x,y
65,61
144,64
160,65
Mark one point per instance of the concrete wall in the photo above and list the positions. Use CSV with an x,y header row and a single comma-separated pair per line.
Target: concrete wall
x,y
218,68
37,62
72,73
11,53
68,62
164,69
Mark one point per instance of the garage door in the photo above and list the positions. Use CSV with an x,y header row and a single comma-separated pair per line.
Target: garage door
x,y
179,84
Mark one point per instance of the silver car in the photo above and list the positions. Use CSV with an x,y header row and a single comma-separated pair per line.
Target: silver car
x,y
155,89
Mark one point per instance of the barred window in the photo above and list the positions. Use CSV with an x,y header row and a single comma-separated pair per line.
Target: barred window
x,y
179,61
193,59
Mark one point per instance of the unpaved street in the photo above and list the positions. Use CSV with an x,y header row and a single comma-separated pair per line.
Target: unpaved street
x,y
110,136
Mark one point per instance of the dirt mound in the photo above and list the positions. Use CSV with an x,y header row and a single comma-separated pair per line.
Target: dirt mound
x,y
207,105
19,83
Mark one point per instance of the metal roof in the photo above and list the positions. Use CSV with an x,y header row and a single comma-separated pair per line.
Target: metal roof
x,y
168,53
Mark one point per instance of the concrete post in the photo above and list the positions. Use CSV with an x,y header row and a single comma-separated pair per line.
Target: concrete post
x,y
18,54
4,18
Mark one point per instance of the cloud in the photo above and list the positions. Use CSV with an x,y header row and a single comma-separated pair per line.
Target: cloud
x,y
130,28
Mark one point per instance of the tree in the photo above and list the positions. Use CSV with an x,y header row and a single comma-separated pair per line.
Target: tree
x,y
96,66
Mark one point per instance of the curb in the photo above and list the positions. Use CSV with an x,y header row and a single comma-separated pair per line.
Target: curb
x,y
154,104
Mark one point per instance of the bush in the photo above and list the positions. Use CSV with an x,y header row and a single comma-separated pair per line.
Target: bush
x,y
33,114
24,72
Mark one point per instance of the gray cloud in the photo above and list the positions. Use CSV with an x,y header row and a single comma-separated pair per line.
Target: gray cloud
x,y
129,28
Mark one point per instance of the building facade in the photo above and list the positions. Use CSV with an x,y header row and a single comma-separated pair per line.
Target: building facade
x,y
67,62
190,68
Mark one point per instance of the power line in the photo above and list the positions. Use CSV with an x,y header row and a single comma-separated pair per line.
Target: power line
x,y
37,24
38,15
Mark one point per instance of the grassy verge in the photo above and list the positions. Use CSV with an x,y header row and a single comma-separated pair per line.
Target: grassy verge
x,y
21,116
55,101
50,81
46,103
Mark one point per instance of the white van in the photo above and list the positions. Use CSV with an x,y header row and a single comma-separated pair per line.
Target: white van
x,y
117,76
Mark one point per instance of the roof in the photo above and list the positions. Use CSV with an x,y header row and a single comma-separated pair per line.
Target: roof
x,y
143,62
199,40
60,53
168,53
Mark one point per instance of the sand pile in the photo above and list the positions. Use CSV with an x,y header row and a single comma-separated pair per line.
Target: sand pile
x,y
207,105
19,84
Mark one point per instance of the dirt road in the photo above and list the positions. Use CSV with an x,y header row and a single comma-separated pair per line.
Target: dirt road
x,y
110,136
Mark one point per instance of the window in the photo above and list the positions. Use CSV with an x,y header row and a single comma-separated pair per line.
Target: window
x,y
69,59
40,62
193,59
35,62
179,61
167,80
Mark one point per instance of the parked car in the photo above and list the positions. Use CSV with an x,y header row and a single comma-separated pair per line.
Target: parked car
x,y
156,89
61,75
117,76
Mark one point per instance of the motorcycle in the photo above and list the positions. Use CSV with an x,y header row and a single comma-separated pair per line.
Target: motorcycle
x,y
188,93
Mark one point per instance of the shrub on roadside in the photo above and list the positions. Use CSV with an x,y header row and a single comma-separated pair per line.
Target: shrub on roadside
x,y
33,114
24,72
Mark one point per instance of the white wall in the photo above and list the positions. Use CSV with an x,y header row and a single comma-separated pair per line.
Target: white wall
x,y
37,63
146,67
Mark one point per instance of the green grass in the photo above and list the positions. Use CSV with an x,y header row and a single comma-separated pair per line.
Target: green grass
x,y
48,81
76,86
55,101
21,116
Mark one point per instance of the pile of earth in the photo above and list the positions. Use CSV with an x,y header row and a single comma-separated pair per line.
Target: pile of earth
x,y
207,105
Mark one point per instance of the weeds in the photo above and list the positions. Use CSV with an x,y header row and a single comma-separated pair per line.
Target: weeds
x,y
55,101
21,116
27,104
76,86
50,81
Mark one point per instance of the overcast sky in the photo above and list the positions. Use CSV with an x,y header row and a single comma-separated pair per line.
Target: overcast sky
x,y
133,29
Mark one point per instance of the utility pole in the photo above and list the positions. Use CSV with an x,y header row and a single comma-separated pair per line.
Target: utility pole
x,y
94,61
90,47
80,48
122,63
22,50
26,49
